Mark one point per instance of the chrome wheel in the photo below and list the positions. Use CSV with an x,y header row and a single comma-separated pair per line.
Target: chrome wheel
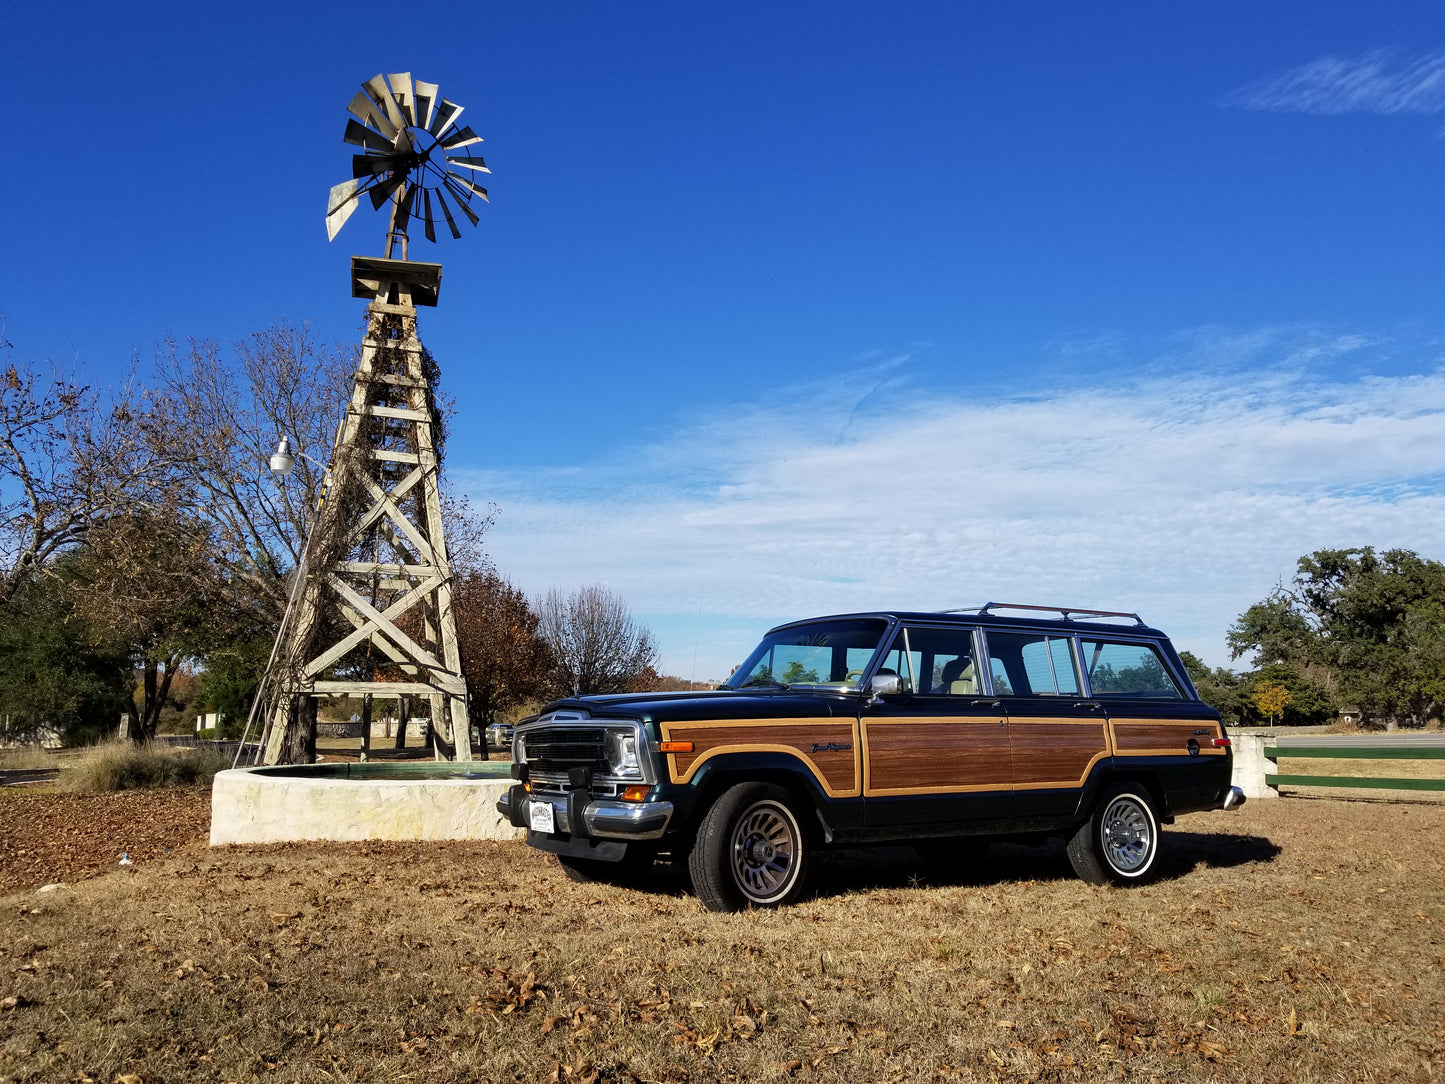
x,y
1126,834
764,849
751,850
1120,841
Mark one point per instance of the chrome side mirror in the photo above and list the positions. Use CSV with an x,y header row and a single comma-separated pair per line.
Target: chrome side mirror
x,y
883,685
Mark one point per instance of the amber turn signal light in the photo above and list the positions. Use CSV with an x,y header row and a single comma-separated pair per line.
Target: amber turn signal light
x,y
675,747
634,794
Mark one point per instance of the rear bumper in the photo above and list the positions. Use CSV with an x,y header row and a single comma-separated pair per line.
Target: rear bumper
x,y
577,813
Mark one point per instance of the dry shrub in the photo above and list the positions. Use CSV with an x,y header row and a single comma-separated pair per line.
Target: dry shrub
x,y
126,765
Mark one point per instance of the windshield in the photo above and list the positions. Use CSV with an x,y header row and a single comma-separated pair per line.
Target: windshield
x,y
823,653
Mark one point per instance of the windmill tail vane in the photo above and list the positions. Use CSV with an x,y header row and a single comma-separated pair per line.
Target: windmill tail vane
x,y
410,143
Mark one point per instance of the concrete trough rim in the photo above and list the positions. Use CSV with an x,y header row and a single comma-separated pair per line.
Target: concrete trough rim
x,y
431,801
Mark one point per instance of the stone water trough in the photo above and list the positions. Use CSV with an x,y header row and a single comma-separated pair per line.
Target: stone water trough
x,y
350,802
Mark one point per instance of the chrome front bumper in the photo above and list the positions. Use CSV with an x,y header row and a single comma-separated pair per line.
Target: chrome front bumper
x,y
600,818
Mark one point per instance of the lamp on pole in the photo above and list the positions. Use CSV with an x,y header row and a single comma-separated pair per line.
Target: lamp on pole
x,y
282,462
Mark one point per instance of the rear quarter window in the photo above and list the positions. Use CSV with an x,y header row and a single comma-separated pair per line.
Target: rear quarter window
x,y
1127,669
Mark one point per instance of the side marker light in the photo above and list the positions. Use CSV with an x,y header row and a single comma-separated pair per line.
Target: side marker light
x,y
675,747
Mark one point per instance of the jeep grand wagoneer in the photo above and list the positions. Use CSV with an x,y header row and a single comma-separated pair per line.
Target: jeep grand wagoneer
x,y
934,729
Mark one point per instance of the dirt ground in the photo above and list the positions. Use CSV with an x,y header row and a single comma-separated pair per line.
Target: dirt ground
x,y
1295,941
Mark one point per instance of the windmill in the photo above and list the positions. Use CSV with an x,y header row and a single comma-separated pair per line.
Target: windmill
x,y
372,596
410,145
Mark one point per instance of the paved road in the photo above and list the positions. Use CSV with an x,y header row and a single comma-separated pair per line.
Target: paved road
x,y
11,777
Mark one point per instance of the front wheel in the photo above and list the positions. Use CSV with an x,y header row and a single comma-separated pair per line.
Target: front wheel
x,y
1119,841
751,850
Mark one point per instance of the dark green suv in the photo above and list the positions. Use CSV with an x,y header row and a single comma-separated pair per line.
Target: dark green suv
x,y
934,729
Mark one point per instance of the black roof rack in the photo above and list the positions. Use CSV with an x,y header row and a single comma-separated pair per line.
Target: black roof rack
x,y
1067,612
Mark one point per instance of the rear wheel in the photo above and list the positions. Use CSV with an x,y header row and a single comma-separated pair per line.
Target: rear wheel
x,y
751,850
1120,841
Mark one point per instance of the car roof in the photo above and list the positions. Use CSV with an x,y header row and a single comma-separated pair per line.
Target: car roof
x,y
973,617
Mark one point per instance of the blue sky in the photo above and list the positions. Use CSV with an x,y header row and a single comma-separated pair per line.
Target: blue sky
x,y
783,309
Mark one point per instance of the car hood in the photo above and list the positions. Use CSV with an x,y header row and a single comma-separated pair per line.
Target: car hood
x,y
762,703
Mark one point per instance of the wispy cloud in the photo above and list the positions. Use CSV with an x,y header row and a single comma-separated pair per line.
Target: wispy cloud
x,y
1184,497
1380,81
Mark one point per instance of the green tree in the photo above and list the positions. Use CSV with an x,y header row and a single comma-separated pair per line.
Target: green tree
x,y
1308,702
1220,688
53,675
1364,626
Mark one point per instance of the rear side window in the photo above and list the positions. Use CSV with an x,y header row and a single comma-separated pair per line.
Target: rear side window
x,y
1121,669
1026,664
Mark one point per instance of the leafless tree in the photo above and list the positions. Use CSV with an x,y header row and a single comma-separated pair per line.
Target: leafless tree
x,y
597,645
215,423
69,459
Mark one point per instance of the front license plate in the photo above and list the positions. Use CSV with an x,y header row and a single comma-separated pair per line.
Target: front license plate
x,y
543,819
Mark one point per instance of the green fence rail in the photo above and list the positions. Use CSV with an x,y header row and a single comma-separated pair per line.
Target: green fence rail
x,y
1356,752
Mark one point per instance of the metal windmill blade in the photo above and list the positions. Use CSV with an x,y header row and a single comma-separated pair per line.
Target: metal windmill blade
x,y
410,142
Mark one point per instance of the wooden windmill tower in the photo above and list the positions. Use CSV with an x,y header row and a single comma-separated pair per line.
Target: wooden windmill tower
x,y
373,594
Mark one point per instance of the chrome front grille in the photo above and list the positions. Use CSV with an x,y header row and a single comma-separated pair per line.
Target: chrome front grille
x,y
560,748
545,782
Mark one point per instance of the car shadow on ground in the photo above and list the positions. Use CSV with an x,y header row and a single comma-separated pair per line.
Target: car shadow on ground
x,y
838,873
841,872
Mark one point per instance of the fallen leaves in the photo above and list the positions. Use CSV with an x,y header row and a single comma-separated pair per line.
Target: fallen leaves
x,y
515,994
50,837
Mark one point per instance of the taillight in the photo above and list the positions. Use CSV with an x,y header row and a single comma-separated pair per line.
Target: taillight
x,y
1219,743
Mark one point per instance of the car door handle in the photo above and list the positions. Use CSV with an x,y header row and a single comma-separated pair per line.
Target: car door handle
x,y
1092,705
983,703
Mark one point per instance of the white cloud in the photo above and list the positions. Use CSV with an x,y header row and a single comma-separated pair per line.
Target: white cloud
x,y
1184,498
1379,81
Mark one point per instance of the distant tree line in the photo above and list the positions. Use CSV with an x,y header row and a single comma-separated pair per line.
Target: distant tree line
x,y
1354,630
146,552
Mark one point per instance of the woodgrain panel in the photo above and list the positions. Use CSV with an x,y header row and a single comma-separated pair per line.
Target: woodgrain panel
x,y
1163,737
828,746
1055,752
937,756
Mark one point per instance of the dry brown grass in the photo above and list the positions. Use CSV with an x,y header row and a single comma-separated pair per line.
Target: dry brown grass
x,y
1294,941
22,757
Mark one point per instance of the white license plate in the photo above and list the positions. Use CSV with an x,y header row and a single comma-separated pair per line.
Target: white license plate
x,y
543,819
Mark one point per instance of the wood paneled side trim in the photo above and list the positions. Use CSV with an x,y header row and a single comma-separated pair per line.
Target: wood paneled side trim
x,y
944,755
1056,752
828,746
1163,737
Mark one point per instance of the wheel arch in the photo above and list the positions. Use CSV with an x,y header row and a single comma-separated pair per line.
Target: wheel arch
x,y
1134,776
790,773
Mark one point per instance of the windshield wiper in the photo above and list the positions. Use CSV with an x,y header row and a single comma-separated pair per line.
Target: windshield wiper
x,y
769,682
